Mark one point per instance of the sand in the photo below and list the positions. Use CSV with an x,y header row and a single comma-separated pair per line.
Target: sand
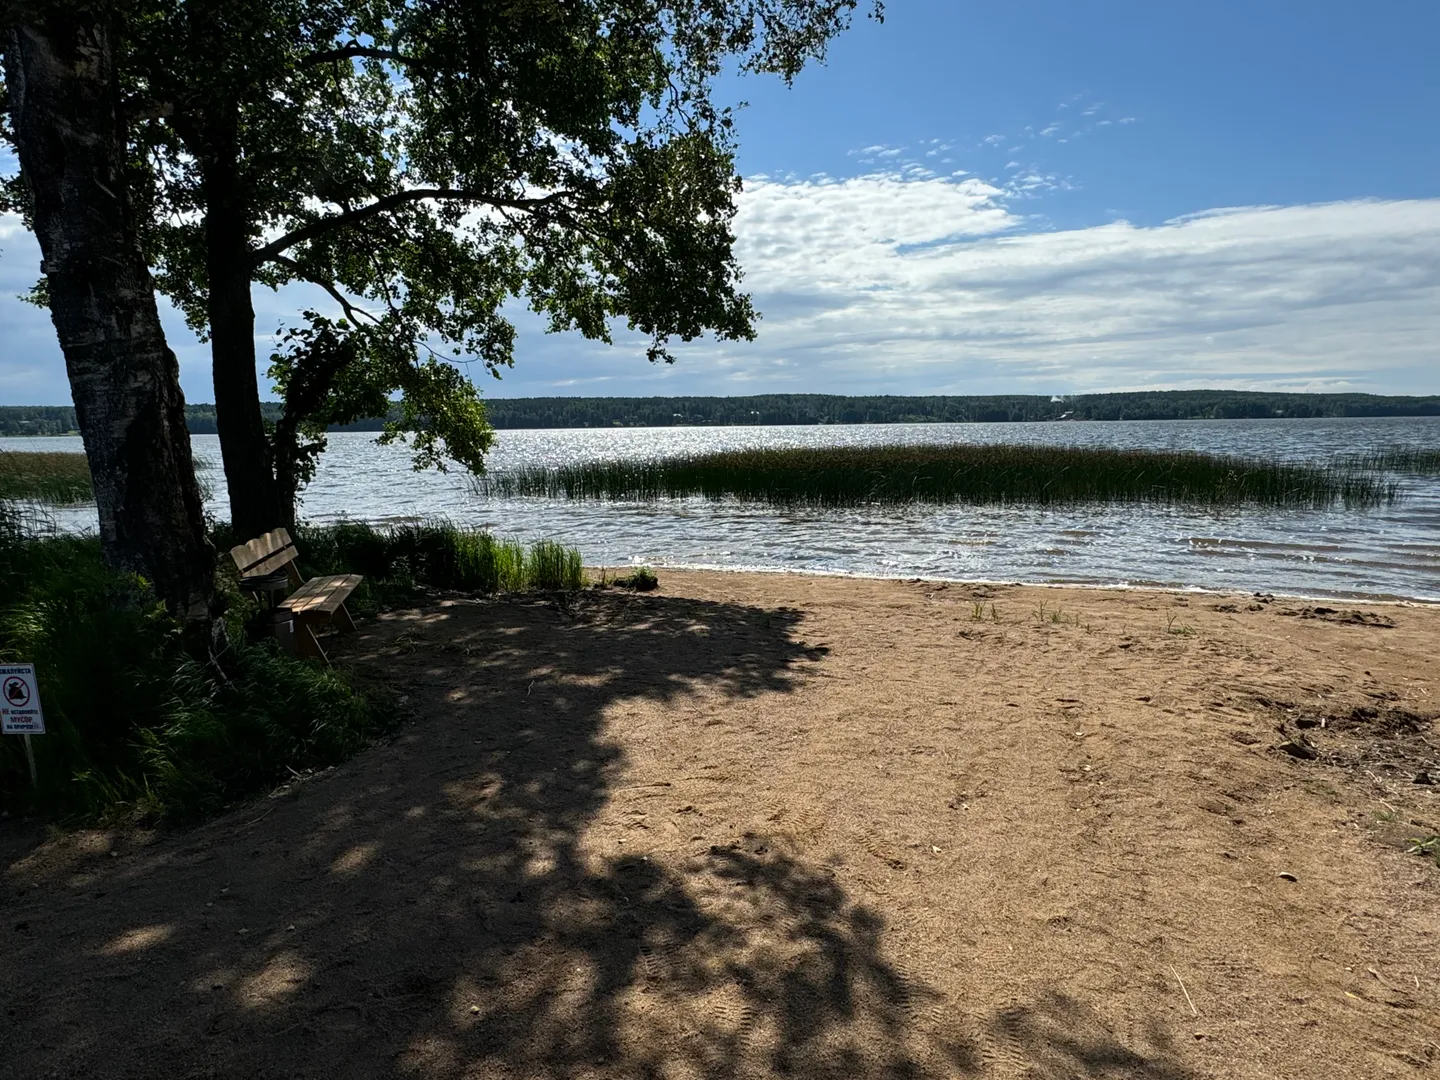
x,y
771,825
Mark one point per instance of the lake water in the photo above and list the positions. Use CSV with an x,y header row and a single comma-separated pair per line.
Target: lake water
x,y
1393,552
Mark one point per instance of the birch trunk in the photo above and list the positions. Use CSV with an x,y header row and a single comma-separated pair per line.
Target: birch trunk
x,y
64,102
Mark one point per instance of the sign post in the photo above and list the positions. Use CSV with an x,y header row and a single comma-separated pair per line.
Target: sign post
x,y
20,709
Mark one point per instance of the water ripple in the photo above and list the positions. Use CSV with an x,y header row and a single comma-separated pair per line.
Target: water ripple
x,y
1391,552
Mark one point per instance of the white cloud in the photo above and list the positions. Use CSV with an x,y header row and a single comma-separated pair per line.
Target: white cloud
x,y
1051,130
905,282
926,286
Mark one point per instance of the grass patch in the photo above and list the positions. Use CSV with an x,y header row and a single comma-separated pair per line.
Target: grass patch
x,y
552,566
641,579
61,479
838,477
397,559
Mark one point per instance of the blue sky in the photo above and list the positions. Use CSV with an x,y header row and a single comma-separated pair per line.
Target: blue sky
x,y
1234,104
1038,197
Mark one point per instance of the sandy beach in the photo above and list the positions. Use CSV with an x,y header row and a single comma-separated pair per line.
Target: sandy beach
x,y
758,825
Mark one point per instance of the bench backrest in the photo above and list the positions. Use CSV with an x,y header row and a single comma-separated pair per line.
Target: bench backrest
x,y
266,554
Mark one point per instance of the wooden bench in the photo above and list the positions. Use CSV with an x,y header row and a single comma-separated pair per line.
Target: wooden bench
x,y
319,600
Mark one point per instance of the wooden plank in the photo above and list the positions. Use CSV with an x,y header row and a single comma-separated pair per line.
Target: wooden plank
x,y
321,595
264,554
307,646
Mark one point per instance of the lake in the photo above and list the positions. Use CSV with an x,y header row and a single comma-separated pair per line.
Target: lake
x,y
1392,552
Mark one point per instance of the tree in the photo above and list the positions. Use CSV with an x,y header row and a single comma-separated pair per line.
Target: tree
x,y
424,162
60,110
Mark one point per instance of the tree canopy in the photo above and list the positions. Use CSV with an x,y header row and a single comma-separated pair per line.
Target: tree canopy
x,y
425,163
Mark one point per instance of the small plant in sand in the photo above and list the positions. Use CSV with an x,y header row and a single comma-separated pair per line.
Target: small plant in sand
x,y
641,579
1182,630
1056,616
1427,847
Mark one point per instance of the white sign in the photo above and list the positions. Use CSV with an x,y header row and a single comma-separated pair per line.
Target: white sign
x,y
20,701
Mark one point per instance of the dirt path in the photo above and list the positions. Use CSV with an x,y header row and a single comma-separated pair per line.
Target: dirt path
x,y
769,826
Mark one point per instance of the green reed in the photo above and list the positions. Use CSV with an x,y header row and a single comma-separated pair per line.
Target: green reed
x,y
439,554
945,474
58,478
1407,459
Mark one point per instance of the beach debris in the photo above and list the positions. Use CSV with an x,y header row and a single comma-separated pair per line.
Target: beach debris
x,y
1285,875
1298,746
1350,617
1193,1011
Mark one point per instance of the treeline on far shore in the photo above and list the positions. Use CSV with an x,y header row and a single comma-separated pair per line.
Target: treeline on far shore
x,y
801,409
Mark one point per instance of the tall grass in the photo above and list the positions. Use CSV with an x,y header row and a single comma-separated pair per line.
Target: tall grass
x,y
1408,459
941,474
438,554
62,477
59,478
552,566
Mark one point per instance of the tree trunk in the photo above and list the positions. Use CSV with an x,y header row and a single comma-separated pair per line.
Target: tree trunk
x,y
64,102
249,470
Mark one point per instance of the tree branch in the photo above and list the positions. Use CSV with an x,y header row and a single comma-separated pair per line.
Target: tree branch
x,y
356,52
147,109
351,311
320,227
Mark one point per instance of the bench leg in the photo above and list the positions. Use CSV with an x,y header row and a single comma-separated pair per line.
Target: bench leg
x,y
342,617
307,646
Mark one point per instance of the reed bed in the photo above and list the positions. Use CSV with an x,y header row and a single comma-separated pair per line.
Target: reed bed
x,y
1406,459
838,477
55,477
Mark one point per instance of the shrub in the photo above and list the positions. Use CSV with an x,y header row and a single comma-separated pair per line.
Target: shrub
x,y
133,723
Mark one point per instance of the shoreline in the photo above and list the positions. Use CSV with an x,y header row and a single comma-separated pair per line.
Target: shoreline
x,y
1176,590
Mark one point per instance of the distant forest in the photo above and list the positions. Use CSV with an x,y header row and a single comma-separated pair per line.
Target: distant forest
x,y
786,409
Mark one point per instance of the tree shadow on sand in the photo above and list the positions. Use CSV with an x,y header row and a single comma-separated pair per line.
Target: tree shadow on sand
x,y
431,910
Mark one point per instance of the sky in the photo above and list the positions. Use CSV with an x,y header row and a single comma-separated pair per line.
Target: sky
x,y
1044,196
